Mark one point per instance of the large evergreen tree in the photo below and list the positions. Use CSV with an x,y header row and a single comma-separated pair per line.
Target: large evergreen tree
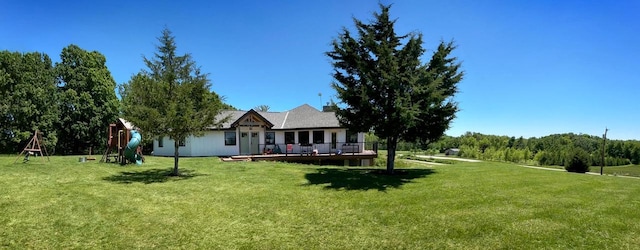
x,y
28,90
172,98
88,102
387,89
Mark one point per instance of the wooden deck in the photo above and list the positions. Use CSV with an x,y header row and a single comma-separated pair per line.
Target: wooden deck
x,y
366,155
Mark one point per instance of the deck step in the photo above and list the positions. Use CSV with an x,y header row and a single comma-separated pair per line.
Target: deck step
x,y
231,159
241,157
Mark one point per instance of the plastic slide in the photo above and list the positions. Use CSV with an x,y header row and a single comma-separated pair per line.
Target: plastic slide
x,y
130,151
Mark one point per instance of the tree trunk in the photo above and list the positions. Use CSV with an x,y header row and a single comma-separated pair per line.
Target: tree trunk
x,y
392,143
176,156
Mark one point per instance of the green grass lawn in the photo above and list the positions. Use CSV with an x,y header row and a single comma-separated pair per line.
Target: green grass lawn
x,y
627,170
265,205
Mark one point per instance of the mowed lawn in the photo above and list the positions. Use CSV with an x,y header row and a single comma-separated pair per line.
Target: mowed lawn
x,y
265,205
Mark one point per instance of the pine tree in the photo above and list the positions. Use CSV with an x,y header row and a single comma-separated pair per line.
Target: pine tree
x,y
172,98
387,89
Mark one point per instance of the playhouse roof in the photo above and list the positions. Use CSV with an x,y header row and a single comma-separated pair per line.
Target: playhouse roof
x,y
126,124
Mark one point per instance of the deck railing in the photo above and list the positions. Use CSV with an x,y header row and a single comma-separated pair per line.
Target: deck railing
x,y
336,148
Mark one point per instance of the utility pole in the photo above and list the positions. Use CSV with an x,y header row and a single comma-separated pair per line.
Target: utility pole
x,y
604,142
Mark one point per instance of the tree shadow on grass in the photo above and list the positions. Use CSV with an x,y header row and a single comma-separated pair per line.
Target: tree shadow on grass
x,y
364,179
151,176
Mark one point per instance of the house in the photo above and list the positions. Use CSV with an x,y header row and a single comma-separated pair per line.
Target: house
x,y
452,151
302,131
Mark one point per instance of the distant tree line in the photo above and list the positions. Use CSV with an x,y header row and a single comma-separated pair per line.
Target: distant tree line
x,y
557,149
71,102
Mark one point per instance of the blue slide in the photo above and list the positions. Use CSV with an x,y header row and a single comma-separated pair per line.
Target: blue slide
x,y
130,151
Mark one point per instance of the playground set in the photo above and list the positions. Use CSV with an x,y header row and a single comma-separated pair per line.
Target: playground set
x,y
34,147
123,144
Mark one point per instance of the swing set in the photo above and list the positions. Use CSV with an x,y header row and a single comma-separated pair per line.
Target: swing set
x,y
34,147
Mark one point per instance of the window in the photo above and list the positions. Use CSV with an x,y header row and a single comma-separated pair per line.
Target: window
x,y
182,143
318,137
289,138
270,138
160,142
229,138
352,137
334,138
303,137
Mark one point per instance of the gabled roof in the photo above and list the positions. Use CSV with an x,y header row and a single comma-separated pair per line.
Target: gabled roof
x,y
303,116
255,114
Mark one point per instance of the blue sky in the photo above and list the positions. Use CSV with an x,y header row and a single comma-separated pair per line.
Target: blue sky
x,y
533,68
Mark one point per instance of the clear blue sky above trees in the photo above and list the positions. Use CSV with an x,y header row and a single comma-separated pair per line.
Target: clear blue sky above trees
x,y
533,68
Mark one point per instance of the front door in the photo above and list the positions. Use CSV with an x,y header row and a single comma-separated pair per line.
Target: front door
x,y
244,143
249,143
255,143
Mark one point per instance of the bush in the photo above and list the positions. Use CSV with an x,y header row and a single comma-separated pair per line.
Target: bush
x,y
577,162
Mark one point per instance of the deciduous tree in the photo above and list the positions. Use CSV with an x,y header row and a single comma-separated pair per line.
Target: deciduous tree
x,y
88,101
385,88
28,103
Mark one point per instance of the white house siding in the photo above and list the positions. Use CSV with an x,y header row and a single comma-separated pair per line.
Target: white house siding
x,y
326,147
279,137
168,150
212,144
